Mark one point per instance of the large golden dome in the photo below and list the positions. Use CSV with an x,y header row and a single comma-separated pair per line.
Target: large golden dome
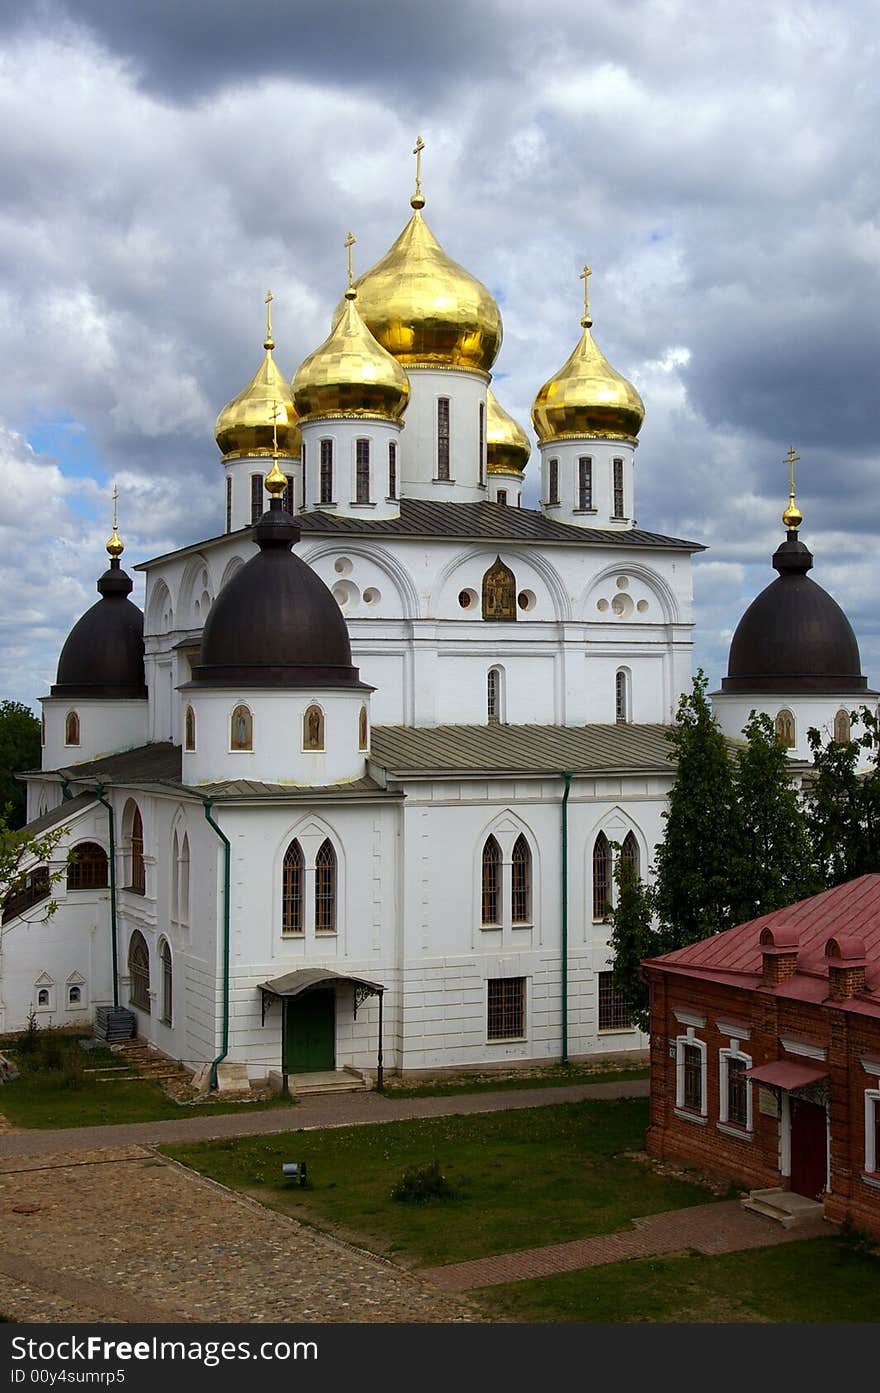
x,y
350,374
587,398
425,308
264,412
507,445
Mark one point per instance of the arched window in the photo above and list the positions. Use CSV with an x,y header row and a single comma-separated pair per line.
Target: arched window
x,y
74,996
183,882
629,852
363,729
71,728
362,471
495,694
256,498
42,727
190,729
313,728
43,996
482,433
501,497
134,832
139,971
87,867
842,728
392,469
553,481
326,475
442,437
292,890
325,889
601,876
175,878
784,726
617,489
491,896
167,982
241,729
621,696
521,886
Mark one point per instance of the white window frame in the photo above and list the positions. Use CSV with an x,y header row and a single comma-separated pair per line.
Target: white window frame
x,y
680,1042
872,1161
724,1058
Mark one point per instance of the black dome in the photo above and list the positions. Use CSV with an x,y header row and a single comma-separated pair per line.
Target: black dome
x,y
104,652
275,624
794,637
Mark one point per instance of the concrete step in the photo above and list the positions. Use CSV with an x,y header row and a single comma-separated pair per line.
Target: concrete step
x,y
337,1081
785,1208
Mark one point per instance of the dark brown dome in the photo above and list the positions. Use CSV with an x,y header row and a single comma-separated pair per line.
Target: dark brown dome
x,y
104,653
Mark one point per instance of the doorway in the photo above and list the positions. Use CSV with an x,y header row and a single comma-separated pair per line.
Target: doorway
x,y
310,1033
809,1158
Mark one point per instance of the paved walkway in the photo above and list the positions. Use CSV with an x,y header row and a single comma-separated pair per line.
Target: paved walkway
x,y
709,1228
322,1110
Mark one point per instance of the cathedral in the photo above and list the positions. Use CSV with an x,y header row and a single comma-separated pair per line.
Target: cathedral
x,y
348,796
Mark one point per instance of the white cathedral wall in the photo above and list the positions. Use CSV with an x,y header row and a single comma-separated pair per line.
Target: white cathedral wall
x,y
466,392
732,711
343,435
602,454
104,727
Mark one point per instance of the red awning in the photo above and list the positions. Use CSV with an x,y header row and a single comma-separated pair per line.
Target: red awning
x,y
786,1073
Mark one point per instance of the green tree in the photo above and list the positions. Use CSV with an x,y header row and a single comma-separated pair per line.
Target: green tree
x,y
19,749
21,854
635,934
843,804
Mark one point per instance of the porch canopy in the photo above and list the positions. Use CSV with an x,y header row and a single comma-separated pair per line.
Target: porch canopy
x,y
786,1073
304,979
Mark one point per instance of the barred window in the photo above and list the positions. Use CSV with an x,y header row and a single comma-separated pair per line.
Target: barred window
x,y
737,1091
30,889
190,729
362,471
553,481
491,895
506,1013
167,982
137,878
325,889
692,1058
521,887
601,876
326,480
501,496
612,1011
392,469
183,881
483,442
287,502
292,890
87,868
228,502
139,972
621,698
493,694
257,508
585,482
629,852
618,488
442,437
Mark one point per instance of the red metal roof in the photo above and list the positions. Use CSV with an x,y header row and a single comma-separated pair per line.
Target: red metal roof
x,y
786,1073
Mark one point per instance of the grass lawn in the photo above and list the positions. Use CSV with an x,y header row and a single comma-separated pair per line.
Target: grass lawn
x,y
524,1178
554,1076
820,1279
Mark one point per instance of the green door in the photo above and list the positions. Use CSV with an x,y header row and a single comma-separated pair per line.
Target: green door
x,y
310,1033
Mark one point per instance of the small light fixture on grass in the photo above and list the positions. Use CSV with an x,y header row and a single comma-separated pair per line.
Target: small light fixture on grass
x,y
295,1170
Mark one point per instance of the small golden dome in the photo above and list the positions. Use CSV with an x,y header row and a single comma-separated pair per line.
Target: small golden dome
x,y
507,445
350,374
424,308
261,420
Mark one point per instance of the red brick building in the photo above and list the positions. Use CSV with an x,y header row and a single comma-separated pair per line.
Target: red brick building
x,y
765,1052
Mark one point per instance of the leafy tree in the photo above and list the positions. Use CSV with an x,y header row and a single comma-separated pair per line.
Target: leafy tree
x,y
19,749
20,854
843,805
635,934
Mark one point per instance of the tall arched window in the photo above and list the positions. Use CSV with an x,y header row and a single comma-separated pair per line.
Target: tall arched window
x,y
71,728
495,694
190,729
313,728
521,885
621,696
241,729
256,498
553,481
629,852
87,867
442,437
617,489
325,889
482,460
491,896
183,882
842,727
363,729
167,1014
139,971
133,825
601,876
175,878
362,471
326,475
785,732
392,469
292,877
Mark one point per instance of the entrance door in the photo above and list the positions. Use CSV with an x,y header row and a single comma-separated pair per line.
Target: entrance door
x,y
809,1160
310,1032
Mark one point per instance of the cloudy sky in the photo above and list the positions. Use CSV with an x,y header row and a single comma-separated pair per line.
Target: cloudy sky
x,y
164,162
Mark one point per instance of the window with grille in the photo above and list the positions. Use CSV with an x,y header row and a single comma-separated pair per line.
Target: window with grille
x,y
737,1091
442,437
493,694
257,508
521,882
139,972
326,476
585,482
292,890
692,1060
618,488
137,880
183,881
87,869
325,889
501,496
483,441
392,469
612,1010
228,502
362,471
553,481
601,876
621,703
491,889
506,1008
287,502
629,852
167,982
30,889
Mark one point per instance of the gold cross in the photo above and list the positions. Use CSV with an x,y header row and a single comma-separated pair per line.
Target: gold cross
x,y
417,151
268,302
349,243
585,277
115,498
791,460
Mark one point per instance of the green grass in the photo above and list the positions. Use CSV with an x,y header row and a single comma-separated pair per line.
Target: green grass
x,y
522,1178
820,1279
554,1076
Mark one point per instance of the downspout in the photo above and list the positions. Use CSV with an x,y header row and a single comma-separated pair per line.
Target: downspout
x,y
65,789
99,794
208,805
567,778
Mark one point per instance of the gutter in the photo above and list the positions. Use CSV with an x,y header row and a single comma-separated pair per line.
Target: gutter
x,y
99,794
208,804
567,777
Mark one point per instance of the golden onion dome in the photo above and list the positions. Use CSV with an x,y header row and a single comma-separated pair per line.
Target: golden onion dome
x,y
507,445
587,398
350,374
261,420
425,308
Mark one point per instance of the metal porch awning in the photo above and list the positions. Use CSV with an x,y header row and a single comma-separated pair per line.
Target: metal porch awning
x,y
786,1073
293,984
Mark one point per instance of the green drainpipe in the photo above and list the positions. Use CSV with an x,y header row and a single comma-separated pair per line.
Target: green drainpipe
x,y
99,794
65,789
567,779
208,805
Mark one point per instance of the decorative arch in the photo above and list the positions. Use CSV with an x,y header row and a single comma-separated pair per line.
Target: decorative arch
x,y
139,972
71,728
313,728
196,587
133,834
669,611
784,726
397,574
232,569
160,610
88,867
241,728
293,890
473,560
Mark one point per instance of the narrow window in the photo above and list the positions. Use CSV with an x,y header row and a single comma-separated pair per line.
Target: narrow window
x,y
190,728
74,996
139,972
872,1131
553,481
585,483
241,729
292,890
601,876
257,508
326,481
362,471
167,982
501,496
692,1058
842,728
287,502
303,489
392,469
521,885
491,882
183,882
228,502
618,488
137,879
737,1091
363,730
493,694
442,437
313,729
784,725
43,996
175,878
71,729
621,703
483,443
629,852
612,1012
87,867
42,727
506,1014
325,889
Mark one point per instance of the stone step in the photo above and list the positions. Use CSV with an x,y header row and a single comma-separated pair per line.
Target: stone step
x,y
785,1208
340,1081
